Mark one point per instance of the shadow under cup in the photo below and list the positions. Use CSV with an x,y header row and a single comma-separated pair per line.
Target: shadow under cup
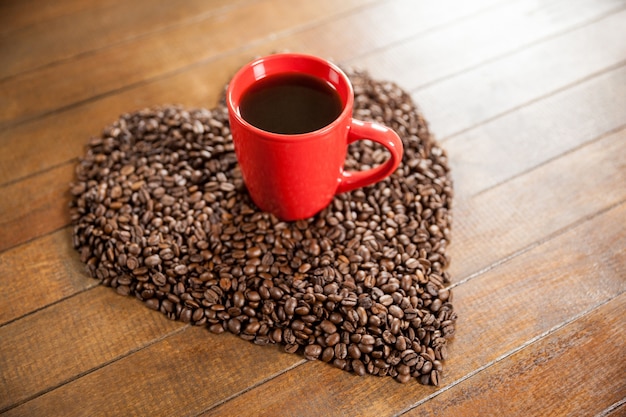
x,y
294,176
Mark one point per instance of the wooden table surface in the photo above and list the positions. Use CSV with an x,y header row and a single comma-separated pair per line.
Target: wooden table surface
x,y
528,98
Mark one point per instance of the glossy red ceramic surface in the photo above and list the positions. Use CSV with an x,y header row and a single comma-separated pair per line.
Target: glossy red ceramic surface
x,y
296,176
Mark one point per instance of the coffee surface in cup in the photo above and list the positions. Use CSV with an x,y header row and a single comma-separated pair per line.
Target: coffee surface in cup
x,y
291,103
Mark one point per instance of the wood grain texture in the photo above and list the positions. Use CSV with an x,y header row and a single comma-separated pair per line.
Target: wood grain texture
x,y
40,273
585,362
16,14
511,217
570,120
519,300
56,138
53,346
35,206
512,144
548,67
477,301
69,30
614,410
528,99
450,50
176,376
147,57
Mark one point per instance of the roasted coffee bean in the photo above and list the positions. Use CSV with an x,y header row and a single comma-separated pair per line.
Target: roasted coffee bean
x,y
403,378
312,352
159,279
291,348
290,306
216,328
435,377
340,363
332,339
198,314
354,351
234,326
328,354
328,326
152,303
277,335
359,368
341,351
396,311
152,261
427,367
367,339
362,284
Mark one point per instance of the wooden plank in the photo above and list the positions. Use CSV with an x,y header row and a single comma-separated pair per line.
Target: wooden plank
x,y
391,23
603,241
443,52
490,90
58,137
510,218
177,376
27,148
499,312
15,14
79,29
502,217
512,144
35,206
583,362
55,345
40,273
526,146
539,276
108,69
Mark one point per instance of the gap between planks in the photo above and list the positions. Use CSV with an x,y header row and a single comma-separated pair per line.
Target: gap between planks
x,y
284,34
192,19
533,101
281,34
95,368
504,356
491,118
543,335
518,49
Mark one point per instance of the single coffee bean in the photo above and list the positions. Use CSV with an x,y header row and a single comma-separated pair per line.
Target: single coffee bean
x,y
358,367
312,352
427,367
354,351
332,339
234,326
435,377
328,326
152,261
216,328
328,354
291,348
341,351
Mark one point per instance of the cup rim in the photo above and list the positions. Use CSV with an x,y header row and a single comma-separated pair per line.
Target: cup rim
x,y
233,111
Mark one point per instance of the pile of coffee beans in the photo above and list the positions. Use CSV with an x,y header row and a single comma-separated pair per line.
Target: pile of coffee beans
x,y
160,212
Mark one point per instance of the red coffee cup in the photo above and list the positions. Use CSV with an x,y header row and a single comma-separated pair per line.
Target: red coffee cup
x,y
294,176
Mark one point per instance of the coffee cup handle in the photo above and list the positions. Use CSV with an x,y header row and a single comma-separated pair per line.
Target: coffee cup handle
x,y
359,130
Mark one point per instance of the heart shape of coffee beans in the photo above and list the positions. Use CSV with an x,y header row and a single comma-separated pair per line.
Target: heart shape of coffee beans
x,y
160,211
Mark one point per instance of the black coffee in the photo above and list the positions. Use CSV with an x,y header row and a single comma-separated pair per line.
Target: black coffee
x,y
290,104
